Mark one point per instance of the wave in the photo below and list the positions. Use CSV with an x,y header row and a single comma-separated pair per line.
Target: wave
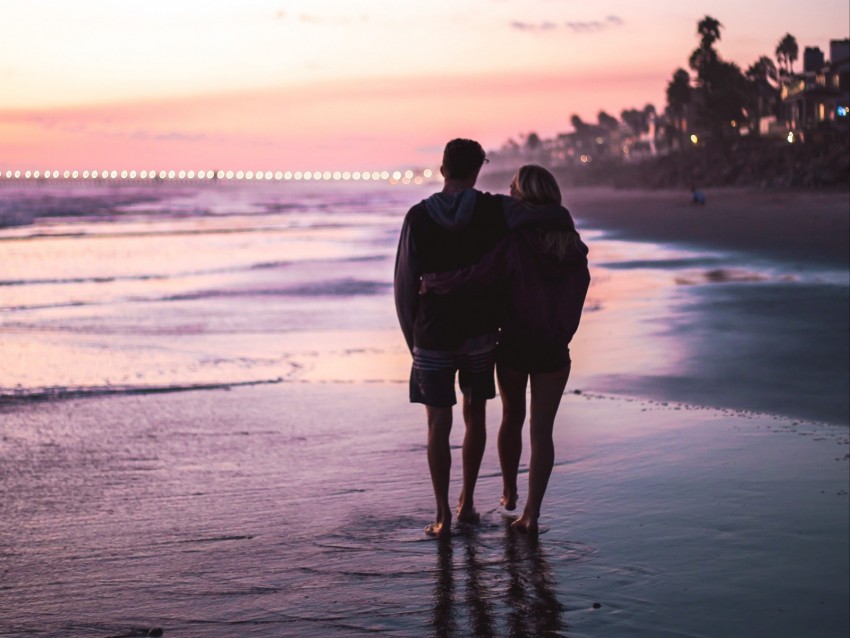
x,y
268,265
16,396
333,288
663,264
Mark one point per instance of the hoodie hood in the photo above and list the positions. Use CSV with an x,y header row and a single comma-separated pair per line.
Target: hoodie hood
x,y
451,211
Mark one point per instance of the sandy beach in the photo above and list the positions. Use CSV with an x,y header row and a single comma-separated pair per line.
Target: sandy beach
x,y
702,448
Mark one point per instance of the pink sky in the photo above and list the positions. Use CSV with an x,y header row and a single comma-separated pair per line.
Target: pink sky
x,y
318,85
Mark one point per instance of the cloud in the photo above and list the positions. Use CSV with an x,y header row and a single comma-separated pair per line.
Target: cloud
x,y
527,26
591,26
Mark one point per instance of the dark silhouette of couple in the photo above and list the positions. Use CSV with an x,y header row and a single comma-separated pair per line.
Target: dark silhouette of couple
x,y
486,282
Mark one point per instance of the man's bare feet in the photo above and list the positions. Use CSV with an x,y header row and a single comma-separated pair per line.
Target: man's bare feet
x,y
467,515
526,525
508,500
439,529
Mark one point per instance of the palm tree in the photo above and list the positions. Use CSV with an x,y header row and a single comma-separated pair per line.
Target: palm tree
x,y
709,31
678,97
762,70
705,55
786,53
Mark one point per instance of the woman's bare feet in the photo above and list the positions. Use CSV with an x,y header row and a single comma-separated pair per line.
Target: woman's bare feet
x,y
439,529
508,500
526,525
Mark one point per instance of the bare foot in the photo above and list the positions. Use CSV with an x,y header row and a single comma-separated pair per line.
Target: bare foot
x,y
467,515
525,525
508,500
439,529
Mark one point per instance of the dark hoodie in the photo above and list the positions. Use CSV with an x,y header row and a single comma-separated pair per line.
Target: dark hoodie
x,y
545,292
444,233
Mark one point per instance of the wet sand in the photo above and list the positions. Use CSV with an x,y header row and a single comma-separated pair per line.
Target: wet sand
x,y
298,509
799,227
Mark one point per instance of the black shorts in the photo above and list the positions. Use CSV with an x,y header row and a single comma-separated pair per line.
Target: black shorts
x,y
432,377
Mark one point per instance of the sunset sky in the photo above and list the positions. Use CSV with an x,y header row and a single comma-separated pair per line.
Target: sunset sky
x,y
338,84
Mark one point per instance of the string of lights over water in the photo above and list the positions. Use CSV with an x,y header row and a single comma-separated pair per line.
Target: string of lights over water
x,y
408,176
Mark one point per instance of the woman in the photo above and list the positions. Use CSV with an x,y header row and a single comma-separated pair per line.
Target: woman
x,y
542,267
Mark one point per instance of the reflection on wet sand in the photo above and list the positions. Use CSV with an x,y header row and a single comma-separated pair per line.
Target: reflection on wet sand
x,y
511,594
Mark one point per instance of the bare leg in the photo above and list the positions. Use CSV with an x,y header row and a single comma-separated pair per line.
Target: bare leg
x,y
547,389
512,385
440,464
474,442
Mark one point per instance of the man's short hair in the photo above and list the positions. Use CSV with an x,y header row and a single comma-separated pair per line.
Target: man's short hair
x,y
462,159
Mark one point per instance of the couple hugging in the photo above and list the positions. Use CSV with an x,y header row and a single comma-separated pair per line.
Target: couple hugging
x,y
484,281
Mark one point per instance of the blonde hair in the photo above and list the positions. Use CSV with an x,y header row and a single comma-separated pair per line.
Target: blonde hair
x,y
558,242
535,185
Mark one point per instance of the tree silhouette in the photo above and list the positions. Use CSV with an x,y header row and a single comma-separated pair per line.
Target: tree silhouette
x,y
786,53
678,97
709,31
607,122
762,70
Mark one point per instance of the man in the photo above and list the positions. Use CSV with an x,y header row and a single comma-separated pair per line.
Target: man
x,y
449,334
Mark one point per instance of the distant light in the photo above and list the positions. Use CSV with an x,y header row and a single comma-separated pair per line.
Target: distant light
x,y
75,174
427,173
396,175
229,174
36,174
46,174
181,174
85,174
278,175
162,174
240,174
583,159
287,175
408,174
143,174
417,180
337,175
28,174
790,137
694,139
355,175
190,174
626,150
842,111
346,175
132,174
385,174
406,180
259,175
123,174
66,174
734,124
308,175
366,175
8,174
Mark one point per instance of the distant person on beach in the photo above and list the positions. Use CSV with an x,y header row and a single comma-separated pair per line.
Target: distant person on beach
x,y
543,267
452,335
697,197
